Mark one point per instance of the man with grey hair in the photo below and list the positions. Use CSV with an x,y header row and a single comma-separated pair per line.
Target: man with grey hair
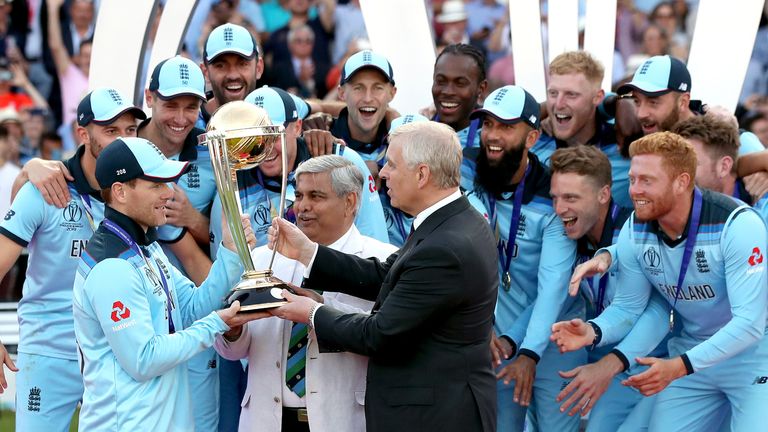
x,y
428,333
328,190
300,73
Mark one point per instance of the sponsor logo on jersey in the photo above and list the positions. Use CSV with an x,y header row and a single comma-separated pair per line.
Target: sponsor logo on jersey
x,y
9,215
760,380
121,315
371,184
212,364
754,261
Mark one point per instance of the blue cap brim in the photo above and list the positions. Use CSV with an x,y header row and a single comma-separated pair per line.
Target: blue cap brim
x,y
111,117
167,94
643,87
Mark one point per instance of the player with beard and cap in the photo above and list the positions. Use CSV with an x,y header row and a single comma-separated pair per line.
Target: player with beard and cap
x,y
260,187
719,359
49,383
535,260
581,193
137,318
232,64
574,96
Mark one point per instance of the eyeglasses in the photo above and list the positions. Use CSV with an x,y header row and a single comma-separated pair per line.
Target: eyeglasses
x,y
306,41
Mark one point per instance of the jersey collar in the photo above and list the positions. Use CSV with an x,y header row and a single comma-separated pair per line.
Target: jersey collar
x,y
340,129
131,227
75,168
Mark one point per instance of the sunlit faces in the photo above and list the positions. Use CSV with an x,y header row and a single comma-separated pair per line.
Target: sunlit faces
x,y
232,77
272,166
174,118
321,214
578,202
145,202
96,137
456,87
571,100
498,138
402,180
710,171
650,187
367,95
659,113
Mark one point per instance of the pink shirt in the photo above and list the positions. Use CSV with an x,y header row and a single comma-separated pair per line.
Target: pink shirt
x,y
74,86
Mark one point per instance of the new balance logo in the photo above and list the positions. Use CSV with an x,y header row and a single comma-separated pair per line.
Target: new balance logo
x,y
760,380
33,404
9,215
212,364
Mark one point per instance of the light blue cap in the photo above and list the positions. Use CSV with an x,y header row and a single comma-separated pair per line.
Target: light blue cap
x,y
177,76
103,106
659,75
230,39
405,119
366,59
510,104
278,104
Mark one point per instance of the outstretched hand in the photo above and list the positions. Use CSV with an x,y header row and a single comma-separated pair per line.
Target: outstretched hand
x,y
572,335
599,264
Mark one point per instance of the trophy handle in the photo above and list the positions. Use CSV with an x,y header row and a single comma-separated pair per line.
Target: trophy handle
x,y
226,183
284,185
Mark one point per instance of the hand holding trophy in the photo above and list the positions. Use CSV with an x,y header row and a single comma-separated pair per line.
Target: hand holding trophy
x,y
239,137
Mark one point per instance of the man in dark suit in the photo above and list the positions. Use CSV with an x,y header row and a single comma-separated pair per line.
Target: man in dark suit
x,y
428,334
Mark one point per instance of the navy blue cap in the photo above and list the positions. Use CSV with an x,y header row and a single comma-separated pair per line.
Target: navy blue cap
x,y
126,159
103,106
658,76
510,104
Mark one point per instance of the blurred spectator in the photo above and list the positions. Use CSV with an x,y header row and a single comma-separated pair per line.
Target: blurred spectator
x,y
10,127
8,172
33,49
664,16
276,48
756,78
501,73
757,123
72,71
482,16
630,23
453,18
33,127
79,27
51,146
12,80
655,42
349,26
300,75
276,14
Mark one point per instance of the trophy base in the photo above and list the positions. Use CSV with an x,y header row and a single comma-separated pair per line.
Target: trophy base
x,y
259,293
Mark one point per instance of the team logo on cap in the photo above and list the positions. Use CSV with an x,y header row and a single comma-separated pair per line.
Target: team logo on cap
x,y
499,96
367,57
229,35
184,74
259,101
532,119
116,98
644,67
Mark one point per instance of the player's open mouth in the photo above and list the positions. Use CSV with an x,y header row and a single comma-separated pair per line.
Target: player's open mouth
x,y
367,111
562,118
569,221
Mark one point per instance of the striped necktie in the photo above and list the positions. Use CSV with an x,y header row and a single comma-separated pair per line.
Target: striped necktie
x,y
295,369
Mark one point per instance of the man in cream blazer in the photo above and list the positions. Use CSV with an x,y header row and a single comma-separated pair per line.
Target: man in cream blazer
x,y
328,190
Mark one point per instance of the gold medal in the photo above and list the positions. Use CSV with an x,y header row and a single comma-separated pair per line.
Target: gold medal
x,y
506,281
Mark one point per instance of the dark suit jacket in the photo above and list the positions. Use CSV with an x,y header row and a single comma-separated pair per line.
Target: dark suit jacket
x,y
428,335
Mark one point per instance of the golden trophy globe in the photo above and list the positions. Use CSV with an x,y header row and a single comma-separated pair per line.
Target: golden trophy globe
x,y
239,137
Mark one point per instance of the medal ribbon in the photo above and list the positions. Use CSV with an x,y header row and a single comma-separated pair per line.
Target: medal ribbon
x,y
690,241
506,254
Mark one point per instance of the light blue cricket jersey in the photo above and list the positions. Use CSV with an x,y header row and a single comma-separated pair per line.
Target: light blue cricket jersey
x,y
541,264
260,198
55,238
722,306
134,369
605,140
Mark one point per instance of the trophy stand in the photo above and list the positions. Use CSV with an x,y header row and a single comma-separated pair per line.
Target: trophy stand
x,y
239,137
